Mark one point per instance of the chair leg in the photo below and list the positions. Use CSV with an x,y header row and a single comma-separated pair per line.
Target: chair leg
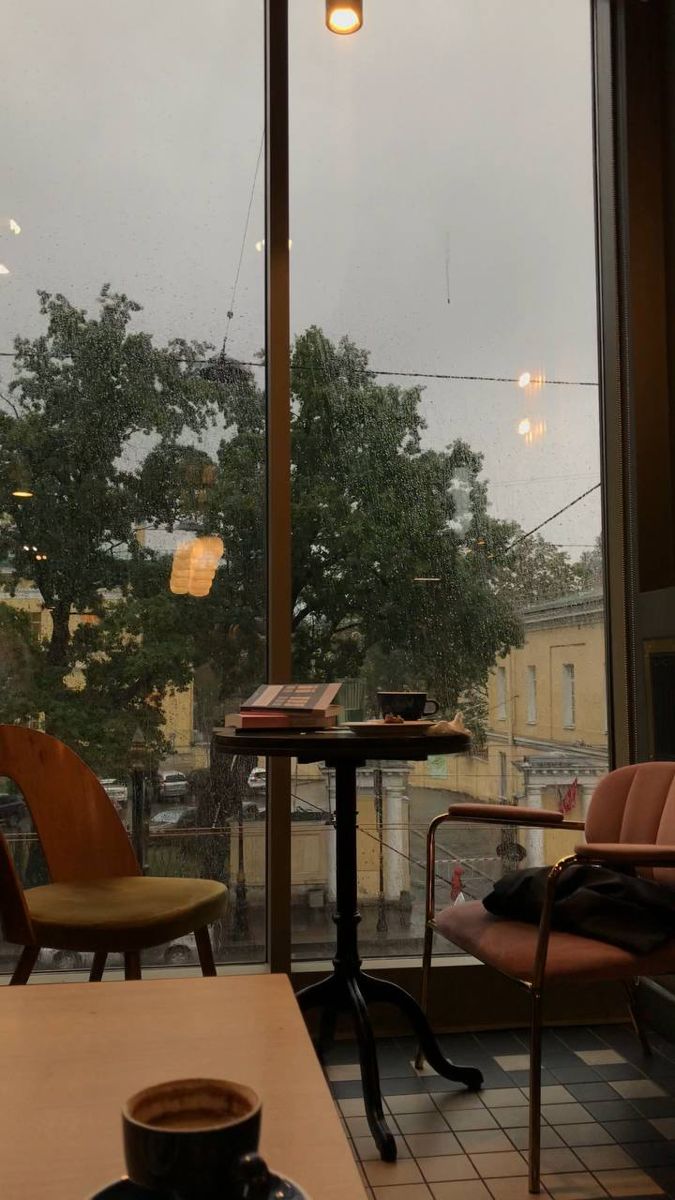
x,y
426,973
23,968
132,964
535,1091
205,951
632,992
98,966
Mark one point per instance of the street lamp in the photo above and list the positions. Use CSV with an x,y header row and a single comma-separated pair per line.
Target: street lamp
x,y
344,16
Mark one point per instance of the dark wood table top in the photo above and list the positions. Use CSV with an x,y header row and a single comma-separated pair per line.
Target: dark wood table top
x,y
337,744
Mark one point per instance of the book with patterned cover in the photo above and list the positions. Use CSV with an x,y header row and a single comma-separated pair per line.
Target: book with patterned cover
x,y
292,697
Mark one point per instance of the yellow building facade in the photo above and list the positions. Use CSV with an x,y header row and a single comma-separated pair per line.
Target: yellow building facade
x,y
547,721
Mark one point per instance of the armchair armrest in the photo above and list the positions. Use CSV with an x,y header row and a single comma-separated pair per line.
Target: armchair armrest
x,y
627,854
509,814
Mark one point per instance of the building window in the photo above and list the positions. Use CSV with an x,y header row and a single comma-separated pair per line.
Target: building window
x,y
502,775
569,707
532,695
501,693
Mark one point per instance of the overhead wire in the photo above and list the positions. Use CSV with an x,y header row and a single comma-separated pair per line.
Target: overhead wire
x,y
230,311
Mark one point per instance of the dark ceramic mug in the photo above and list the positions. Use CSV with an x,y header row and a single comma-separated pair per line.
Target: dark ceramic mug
x,y
412,706
195,1139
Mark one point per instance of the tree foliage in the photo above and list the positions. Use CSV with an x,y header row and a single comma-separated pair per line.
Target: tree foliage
x,y
120,437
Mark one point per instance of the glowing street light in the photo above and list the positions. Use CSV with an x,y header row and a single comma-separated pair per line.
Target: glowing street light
x,y
525,379
344,16
524,426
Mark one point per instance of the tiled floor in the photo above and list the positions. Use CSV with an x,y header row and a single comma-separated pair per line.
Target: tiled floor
x,y
609,1118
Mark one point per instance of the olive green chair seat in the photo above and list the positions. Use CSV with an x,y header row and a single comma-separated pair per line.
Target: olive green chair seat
x,y
122,914
98,900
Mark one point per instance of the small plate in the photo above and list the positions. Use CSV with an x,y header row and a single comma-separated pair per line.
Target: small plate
x,y
281,1188
391,728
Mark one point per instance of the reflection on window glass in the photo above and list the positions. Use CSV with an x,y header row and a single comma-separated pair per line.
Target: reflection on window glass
x,y
132,590
444,369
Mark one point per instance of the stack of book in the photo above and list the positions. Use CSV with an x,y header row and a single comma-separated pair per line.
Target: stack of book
x,y
288,706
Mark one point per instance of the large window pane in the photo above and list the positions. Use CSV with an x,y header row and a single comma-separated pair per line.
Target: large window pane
x,y
446,445
132,410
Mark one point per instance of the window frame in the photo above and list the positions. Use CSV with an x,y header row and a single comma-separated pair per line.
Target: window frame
x,y
531,694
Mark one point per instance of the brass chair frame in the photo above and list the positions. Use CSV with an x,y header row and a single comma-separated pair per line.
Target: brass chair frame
x,y
504,815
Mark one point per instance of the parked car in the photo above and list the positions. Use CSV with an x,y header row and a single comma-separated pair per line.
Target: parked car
x,y
170,819
118,792
181,953
257,780
173,785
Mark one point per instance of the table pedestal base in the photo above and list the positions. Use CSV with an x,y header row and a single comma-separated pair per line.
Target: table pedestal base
x,y
352,991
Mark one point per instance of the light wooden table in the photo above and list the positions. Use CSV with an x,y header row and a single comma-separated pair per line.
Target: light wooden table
x,y
71,1053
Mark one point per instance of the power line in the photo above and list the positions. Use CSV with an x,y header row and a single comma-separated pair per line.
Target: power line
x,y
374,371
230,311
548,520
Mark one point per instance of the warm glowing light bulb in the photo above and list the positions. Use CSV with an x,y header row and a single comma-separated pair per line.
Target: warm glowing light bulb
x,y
524,427
22,493
525,379
344,16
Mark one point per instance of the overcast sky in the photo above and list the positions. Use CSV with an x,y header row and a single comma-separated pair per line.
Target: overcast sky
x,y
448,140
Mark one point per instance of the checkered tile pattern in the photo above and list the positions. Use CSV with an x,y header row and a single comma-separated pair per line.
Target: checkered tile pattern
x,y
608,1118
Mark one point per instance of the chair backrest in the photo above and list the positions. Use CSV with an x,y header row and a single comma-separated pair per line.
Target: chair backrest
x,y
636,804
81,834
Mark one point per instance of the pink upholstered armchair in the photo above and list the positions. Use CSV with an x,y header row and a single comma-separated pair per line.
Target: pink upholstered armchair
x,y
630,822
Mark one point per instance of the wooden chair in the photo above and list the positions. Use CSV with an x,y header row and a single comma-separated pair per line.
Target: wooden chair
x,y
98,899
631,825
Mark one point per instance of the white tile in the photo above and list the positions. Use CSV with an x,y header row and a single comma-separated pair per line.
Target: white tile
x,y
513,1062
637,1089
629,1183
447,1167
564,1114
599,1058
456,1101
499,1166
415,1103
604,1158
382,1174
573,1186
352,1108
367,1151
500,1097
343,1072
665,1125
471,1118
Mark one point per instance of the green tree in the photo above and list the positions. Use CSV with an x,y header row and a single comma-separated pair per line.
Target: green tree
x,y
88,395
373,513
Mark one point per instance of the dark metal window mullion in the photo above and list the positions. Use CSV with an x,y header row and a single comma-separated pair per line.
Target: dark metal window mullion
x,y
278,516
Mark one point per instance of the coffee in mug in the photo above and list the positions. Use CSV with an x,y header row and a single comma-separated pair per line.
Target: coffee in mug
x,y
195,1139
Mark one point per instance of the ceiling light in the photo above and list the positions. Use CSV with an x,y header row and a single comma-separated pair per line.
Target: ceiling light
x,y
22,493
525,379
344,16
14,227
4,270
524,426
